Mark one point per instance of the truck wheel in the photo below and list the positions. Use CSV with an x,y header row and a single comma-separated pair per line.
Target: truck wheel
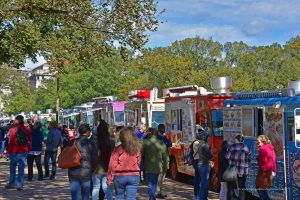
x,y
174,170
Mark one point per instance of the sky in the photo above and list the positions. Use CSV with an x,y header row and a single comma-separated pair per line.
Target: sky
x,y
255,22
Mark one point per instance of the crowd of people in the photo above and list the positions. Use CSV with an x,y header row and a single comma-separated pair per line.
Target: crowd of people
x,y
110,164
117,164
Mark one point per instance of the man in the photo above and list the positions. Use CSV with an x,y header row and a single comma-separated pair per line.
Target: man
x,y
18,147
161,136
140,133
54,140
154,163
239,155
80,177
201,164
36,151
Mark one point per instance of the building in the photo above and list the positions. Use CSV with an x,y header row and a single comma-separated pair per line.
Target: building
x,y
38,75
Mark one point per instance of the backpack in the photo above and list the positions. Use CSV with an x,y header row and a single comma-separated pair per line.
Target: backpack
x,y
192,153
21,137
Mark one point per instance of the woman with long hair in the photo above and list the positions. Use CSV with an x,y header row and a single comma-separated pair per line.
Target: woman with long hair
x,y
267,166
124,165
105,147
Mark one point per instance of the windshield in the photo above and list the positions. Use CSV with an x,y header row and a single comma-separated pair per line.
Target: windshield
x,y
158,117
217,121
119,117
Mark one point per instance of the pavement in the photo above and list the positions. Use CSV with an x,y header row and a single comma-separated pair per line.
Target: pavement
x,y
59,189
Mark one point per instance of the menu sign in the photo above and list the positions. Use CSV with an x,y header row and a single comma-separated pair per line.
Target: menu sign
x,y
273,128
232,123
247,122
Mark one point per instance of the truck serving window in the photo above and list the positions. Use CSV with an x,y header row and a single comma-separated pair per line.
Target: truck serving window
x,y
119,117
217,122
158,117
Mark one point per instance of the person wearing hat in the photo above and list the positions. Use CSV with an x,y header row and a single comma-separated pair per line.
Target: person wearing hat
x,y
201,164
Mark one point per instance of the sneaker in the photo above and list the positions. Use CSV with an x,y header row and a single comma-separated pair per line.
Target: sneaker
x,y
9,187
29,180
52,178
19,189
46,177
40,179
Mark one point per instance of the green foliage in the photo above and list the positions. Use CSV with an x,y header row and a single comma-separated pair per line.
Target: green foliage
x,y
74,30
182,63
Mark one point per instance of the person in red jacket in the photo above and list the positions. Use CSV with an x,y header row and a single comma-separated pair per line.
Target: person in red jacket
x,y
18,147
267,166
124,165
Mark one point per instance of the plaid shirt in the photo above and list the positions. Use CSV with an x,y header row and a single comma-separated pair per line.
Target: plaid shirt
x,y
239,155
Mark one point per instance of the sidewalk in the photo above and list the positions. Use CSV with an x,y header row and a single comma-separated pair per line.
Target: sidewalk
x,y
59,189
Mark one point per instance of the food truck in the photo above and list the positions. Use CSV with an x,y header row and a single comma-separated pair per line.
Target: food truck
x,y
187,107
144,109
108,109
275,114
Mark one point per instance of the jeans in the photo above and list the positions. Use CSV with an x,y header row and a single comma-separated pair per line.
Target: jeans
x,y
80,190
37,159
152,180
129,184
17,159
232,189
201,182
263,194
223,191
99,181
50,155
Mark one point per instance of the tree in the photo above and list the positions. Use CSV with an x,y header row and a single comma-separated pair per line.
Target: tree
x,y
73,30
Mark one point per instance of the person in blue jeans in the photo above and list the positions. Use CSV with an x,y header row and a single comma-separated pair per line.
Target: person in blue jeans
x,y
17,153
155,163
201,165
124,165
106,145
80,177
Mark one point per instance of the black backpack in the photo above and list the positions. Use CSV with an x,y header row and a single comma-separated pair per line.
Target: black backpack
x,y
21,137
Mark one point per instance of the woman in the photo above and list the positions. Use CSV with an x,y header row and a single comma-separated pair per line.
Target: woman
x,y
223,164
80,177
124,165
36,151
105,147
267,165
239,155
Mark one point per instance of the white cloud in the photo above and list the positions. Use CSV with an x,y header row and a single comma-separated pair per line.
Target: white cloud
x,y
170,32
257,21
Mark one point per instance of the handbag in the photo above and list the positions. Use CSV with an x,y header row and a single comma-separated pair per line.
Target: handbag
x,y
70,157
230,174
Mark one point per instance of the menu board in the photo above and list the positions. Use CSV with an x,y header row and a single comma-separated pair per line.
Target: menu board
x,y
247,122
232,123
273,128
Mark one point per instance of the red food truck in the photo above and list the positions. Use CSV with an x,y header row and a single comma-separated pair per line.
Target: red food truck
x,y
187,107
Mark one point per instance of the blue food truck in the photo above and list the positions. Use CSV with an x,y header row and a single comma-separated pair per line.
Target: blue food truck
x,y
277,115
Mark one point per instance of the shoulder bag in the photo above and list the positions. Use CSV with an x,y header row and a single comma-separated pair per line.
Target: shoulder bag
x,y
70,157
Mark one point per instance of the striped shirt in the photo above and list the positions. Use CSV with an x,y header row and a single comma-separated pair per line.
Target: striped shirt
x,y
239,155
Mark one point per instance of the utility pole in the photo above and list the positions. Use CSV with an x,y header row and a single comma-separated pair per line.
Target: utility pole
x,y
57,97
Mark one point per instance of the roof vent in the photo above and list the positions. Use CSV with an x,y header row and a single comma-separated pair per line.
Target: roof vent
x,y
221,85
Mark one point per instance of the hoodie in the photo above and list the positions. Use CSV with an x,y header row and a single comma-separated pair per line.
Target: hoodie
x,y
267,158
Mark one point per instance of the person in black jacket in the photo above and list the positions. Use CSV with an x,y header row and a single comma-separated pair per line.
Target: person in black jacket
x,y
35,153
80,177
223,164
